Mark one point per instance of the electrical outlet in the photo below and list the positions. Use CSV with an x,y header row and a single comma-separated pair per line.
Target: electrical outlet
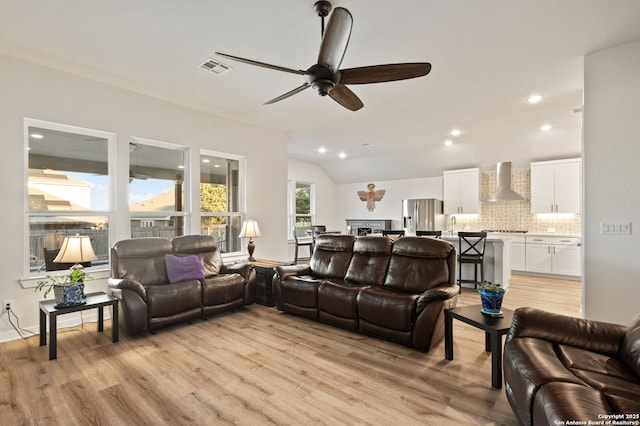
x,y
6,304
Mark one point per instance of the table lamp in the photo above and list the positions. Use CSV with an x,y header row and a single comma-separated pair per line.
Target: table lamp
x,y
75,249
250,230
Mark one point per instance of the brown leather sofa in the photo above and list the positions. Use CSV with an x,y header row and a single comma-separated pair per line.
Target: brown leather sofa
x,y
147,299
393,290
559,369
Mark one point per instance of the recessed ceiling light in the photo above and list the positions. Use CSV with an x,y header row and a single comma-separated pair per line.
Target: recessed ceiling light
x,y
545,127
448,142
342,155
181,167
36,136
216,165
322,150
534,99
455,132
205,160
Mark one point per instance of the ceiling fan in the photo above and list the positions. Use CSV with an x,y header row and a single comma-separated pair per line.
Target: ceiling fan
x,y
326,77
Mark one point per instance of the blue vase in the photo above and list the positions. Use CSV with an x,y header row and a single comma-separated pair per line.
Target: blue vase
x,y
69,295
491,302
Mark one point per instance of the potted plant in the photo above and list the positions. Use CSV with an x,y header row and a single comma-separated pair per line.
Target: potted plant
x,y
68,289
491,295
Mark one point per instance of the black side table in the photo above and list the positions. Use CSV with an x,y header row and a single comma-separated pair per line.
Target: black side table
x,y
264,277
494,328
94,300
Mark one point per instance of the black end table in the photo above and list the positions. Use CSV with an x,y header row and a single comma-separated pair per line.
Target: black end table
x,y
493,327
94,300
264,278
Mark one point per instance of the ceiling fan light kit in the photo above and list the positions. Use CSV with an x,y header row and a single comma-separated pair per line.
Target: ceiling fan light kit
x,y
326,77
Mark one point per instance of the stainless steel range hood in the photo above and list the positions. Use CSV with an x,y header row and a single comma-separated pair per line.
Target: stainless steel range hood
x,y
504,191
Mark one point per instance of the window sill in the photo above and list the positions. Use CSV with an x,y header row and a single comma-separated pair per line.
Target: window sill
x,y
32,281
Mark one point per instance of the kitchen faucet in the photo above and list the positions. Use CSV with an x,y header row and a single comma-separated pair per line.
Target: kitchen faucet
x,y
453,224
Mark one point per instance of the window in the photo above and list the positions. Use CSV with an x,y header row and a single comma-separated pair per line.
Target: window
x,y
220,199
157,189
301,215
69,190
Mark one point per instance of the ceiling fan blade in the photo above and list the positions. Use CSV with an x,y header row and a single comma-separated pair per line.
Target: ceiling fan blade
x,y
335,39
345,97
289,93
261,64
382,73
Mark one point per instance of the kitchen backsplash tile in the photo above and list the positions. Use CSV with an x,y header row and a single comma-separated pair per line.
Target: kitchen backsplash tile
x,y
515,215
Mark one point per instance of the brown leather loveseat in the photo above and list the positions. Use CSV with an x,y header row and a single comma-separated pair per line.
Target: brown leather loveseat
x,y
566,370
148,299
393,290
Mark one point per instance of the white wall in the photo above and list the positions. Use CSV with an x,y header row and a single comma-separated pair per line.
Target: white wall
x,y
325,191
390,207
612,183
29,90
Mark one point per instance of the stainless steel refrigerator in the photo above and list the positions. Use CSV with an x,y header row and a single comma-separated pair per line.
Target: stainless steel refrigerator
x,y
422,215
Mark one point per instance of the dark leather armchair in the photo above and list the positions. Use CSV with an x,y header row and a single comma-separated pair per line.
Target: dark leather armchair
x,y
560,368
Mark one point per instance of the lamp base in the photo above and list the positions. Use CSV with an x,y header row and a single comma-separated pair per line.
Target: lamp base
x,y
250,248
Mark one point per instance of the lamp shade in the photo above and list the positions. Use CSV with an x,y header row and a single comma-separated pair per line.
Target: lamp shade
x,y
250,229
76,249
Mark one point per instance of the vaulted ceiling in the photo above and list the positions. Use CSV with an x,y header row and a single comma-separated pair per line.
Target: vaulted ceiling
x,y
487,58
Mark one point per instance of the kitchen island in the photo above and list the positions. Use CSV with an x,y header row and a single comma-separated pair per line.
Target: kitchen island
x,y
497,259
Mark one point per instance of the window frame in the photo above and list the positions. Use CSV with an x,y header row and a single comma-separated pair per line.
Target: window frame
x,y
292,215
186,187
241,213
28,213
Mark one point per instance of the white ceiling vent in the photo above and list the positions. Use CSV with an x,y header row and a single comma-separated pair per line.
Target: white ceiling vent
x,y
215,67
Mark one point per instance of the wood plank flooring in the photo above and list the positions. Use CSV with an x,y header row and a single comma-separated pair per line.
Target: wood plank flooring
x,y
259,366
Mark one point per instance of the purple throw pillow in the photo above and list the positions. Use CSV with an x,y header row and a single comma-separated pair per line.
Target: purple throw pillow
x,y
183,268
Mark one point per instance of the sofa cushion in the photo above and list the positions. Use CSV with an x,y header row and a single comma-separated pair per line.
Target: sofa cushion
x,y
339,298
172,299
387,308
418,264
370,260
203,246
557,402
183,268
331,255
630,349
300,291
222,289
141,259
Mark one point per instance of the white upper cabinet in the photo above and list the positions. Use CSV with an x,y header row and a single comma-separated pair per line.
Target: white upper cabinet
x,y
462,191
555,186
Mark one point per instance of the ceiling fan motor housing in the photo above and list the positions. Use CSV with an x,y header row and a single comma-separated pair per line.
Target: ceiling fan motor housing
x,y
322,78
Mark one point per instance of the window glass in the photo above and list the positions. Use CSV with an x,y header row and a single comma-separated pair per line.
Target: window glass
x,y
68,191
302,217
157,189
220,198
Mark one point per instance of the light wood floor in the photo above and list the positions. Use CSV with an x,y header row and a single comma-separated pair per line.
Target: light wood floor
x,y
258,366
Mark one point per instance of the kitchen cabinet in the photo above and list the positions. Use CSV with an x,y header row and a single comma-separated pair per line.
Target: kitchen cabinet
x,y
553,255
556,186
518,254
461,191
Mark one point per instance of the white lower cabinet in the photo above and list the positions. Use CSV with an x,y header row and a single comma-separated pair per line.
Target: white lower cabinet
x,y
518,254
553,255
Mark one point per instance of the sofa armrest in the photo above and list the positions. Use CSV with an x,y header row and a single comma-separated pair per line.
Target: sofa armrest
x,y
441,292
595,336
285,271
123,283
242,268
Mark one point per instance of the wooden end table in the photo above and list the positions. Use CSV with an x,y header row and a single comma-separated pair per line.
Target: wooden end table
x,y
94,300
493,327
264,277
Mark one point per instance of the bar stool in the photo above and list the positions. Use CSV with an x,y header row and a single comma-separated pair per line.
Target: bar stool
x,y
303,243
393,234
473,253
434,234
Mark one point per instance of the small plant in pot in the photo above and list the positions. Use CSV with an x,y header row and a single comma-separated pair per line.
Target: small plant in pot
x,y
68,289
491,295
